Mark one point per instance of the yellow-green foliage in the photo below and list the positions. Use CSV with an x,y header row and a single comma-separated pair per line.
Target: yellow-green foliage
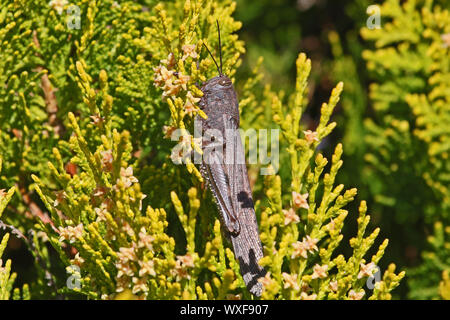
x,y
119,247
444,286
409,140
413,105
125,221
6,277
307,232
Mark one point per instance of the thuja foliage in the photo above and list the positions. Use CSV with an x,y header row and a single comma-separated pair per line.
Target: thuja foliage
x,y
6,277
408,140
302,230
86,141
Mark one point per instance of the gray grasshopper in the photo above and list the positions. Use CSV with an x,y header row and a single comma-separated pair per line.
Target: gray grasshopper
x,y
223,166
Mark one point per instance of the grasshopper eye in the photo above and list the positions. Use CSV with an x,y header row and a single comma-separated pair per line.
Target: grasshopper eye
x,y
225,82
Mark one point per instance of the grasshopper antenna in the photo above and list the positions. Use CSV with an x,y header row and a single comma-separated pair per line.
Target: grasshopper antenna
x,y
218,69
220,47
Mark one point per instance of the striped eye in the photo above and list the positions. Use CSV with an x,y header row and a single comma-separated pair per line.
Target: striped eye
x,y
225,82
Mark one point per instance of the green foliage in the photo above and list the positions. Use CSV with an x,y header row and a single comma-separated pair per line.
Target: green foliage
x,y
408,140
311,275
444,286
85,115
411,105
6,277
430,279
